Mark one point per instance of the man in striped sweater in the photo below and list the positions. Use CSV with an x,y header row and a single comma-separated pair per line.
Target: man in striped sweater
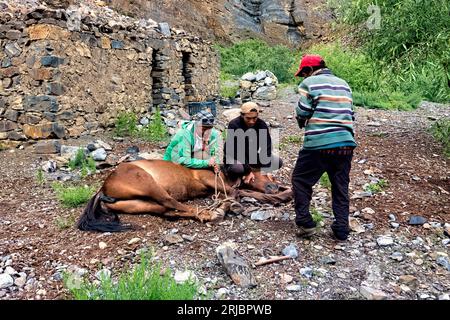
x,y
325,110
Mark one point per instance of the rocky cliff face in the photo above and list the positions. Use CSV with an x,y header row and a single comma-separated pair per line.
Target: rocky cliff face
x,y
288,22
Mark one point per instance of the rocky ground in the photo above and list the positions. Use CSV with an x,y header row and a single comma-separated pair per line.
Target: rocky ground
x,y
385,257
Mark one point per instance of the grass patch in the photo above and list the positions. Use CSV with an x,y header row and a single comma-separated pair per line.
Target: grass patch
x,y
146,281
65,222
317,217
441,132
156,130
228,91
126,125
73,196
325,181
376,187
85,163
40,178
252,55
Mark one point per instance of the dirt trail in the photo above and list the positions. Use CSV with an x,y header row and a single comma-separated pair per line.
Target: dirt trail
x,y
393,146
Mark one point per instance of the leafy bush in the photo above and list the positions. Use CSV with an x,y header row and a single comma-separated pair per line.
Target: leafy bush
x,y
252,55
73,196
146,281
155,130
40,178
376,187
441,132
126,125
228,91
317,217
411,46
85,163
325,181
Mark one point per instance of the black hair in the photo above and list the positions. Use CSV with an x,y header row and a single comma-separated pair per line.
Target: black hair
x,y
321,66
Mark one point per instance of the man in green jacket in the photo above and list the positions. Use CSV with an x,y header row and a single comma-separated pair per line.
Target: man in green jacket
x,y
325,110
195,145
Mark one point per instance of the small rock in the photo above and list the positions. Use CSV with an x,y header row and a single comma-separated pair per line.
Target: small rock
x,y
374,124
444,296
291,251
49,166
221,293
99,154
446,242
443,261
6,281
249,200
372,294
187,237
418,262
134,240
408,279
392,217
183,276
173,238
21,281
261,215
285,278
294,287
328,260
102,245
306,272
385,241
103,274
132,150
417,220
397,256
9,270
395,225
41,292
356,226
368,210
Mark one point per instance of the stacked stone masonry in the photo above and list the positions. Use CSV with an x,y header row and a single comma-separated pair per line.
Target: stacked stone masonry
x,y
59,79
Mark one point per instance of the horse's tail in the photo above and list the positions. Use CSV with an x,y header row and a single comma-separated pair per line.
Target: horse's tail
x,y
94,218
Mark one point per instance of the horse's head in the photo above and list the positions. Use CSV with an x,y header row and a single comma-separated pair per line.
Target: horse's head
x,y
264,184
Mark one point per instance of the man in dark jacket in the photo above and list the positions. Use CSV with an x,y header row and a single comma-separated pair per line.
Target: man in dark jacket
x,y
248,145
325,110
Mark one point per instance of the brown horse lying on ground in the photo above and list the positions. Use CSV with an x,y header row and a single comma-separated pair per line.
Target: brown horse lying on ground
x,y
158,186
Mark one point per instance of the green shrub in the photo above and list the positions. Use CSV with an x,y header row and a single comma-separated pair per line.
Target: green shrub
x,y
252,55
411,47
85,163
441,132
126,125
376,187
73,196
228,91
317,217
40,178
155,130
146,281
325,181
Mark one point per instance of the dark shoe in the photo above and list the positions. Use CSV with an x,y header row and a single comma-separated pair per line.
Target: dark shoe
x,y
340,235
303,232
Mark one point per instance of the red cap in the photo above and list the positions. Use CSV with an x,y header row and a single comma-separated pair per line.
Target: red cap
x,y
309,60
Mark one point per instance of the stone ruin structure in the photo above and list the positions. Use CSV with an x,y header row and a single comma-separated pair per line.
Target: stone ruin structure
x,y
70,72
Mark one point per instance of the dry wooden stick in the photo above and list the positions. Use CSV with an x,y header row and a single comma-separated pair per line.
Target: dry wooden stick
x,y
272,260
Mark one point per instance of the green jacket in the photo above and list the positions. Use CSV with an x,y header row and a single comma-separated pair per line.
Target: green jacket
x,y
181,147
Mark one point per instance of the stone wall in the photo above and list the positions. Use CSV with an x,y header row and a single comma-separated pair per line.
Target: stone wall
x,y
69,72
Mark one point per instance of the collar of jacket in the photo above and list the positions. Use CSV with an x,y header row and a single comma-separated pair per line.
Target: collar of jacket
x,y
322,71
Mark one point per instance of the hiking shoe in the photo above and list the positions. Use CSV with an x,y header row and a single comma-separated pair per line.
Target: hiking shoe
x,y
303,232
340,235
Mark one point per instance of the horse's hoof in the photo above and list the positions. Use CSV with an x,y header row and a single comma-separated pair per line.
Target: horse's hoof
x,y
236,208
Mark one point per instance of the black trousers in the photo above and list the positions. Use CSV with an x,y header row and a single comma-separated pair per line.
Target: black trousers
x,y
238,170
310,166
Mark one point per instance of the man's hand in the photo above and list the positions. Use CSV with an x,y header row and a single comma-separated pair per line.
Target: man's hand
x,y
212,162
249,178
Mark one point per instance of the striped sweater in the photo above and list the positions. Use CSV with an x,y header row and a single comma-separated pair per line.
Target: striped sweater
x,y
326,103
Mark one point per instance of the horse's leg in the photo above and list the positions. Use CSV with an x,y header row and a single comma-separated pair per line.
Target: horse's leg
x,y
136,206
139,184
